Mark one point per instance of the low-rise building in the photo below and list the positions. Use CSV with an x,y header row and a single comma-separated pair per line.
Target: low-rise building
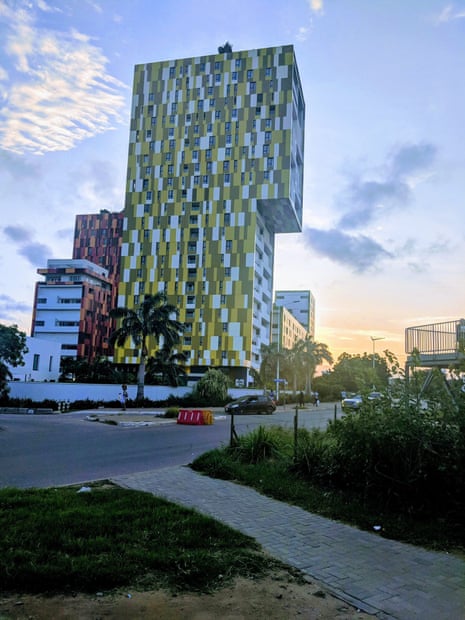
x,y
41,362
72,306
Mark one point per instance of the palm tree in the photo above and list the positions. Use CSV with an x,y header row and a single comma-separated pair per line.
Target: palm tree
x,y
314,355
151,320
167,364
269,364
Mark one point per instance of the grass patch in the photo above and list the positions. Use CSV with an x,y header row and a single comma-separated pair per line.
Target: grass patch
x,y
277,476
60,540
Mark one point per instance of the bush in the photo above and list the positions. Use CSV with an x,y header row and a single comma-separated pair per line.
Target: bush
x,y
405,459
262,444
211,389
172,412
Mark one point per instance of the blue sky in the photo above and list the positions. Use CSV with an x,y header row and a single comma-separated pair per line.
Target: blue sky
x,y
383,242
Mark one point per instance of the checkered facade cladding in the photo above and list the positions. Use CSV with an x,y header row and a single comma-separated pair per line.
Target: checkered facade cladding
x,y
97,237
215,169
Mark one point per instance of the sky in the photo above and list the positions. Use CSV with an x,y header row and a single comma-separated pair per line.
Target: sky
x,y
382,246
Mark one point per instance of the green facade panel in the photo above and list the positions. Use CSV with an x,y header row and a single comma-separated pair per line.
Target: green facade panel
x,y
214,172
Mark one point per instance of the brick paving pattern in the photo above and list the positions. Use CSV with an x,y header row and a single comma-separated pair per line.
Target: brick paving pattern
x,y
377,575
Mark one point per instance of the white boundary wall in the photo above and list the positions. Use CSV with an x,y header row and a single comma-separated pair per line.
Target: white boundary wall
x,y
39,391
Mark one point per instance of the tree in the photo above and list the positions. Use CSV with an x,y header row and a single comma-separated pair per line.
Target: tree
x,y
168,366
100,370
146,325
212,387
12,348
314,354
268,367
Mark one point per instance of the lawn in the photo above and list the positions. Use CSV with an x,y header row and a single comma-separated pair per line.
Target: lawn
x,y
60,539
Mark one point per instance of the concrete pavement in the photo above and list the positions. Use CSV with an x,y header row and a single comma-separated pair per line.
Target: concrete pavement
x,y
377,575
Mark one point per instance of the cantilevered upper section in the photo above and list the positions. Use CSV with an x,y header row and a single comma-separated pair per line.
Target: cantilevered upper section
x,y
231,120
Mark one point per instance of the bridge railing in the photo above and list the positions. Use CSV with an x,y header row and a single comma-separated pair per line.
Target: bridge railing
x,y
446,338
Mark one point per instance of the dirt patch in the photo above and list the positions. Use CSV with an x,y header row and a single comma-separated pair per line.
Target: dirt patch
x,y
278,597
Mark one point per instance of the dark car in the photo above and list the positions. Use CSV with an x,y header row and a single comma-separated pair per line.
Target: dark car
x,y
251,404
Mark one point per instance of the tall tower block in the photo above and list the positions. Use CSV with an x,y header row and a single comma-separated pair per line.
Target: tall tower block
x,y
215,170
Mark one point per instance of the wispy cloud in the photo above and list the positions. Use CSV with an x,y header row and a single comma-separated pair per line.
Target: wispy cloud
x,y
9,308
448,14
35,253
358,252
302,34
17,233
60,92
316,5
365,199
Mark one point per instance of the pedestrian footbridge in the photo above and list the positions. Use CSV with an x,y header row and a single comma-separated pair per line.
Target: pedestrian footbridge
x,y
438,345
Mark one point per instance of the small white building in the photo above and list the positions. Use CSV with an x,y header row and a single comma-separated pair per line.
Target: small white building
x,y
41,362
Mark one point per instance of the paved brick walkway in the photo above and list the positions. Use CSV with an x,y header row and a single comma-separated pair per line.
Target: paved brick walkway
x,y
379,576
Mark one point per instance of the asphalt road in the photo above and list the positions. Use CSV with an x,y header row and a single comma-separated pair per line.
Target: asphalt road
x,y
52,450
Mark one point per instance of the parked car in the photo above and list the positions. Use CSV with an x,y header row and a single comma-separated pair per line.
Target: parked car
x,y
251,404
354,402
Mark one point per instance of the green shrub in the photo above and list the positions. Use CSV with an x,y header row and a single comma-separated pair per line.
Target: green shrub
x,y
314,455
172,412
408,459
261,444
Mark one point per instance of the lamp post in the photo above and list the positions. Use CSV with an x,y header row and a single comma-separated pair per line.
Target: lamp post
x,y
373,340
278,380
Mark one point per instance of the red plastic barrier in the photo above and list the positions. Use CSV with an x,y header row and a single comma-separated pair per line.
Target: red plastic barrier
x,y
190,416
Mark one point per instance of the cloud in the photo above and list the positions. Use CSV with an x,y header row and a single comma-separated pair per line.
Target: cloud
x,y
302,34
58,92
355,251
9,308
363,200
35,253
17,233
411,158
448,14
18,167
316,5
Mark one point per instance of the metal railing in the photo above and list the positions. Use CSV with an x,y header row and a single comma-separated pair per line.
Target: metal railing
x,y
436,339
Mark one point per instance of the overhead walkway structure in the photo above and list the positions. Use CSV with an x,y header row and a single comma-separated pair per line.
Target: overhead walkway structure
x,y
438,345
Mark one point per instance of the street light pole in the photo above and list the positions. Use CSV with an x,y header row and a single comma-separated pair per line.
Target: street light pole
x,y
279,308
373,340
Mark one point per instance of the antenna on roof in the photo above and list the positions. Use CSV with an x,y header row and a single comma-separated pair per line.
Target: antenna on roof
x,y
225,49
